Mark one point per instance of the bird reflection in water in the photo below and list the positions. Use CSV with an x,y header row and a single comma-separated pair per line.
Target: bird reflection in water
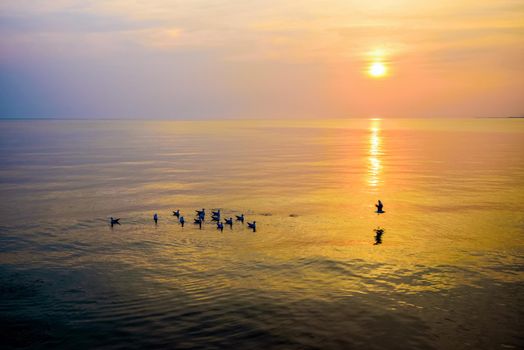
x,y
378,235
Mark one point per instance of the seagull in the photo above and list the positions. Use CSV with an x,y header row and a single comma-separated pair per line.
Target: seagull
x,y
252,225
380,207
220,226
198,222
182,221
201,214
177,213
229,222
240,218
115,221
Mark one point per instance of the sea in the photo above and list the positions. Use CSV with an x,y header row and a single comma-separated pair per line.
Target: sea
x,y
441,268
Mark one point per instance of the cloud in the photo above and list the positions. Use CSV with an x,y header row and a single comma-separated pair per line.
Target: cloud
x,y
69,22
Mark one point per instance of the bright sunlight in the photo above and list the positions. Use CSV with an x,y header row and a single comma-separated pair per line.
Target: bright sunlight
x,y
377,69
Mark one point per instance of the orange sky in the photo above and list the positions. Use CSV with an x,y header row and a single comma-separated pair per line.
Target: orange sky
x,y
261,59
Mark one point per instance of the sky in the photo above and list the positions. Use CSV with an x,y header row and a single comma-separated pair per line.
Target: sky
x,y
203,59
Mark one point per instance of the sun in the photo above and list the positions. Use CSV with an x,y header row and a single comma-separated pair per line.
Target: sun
x,y
377,69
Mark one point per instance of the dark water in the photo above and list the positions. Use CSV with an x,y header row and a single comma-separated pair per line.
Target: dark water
x,y
447,272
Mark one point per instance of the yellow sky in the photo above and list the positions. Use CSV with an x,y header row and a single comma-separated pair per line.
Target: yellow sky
x,y
207,59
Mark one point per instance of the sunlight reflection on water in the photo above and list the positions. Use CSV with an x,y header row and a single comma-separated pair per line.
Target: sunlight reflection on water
x,y
375,142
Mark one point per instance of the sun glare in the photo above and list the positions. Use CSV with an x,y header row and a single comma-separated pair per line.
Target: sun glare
x,y
377,69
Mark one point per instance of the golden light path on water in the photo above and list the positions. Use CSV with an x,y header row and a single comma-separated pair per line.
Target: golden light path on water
x,y
375,153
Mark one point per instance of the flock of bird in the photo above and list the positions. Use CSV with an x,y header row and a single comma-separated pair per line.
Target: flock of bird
x,y
216,217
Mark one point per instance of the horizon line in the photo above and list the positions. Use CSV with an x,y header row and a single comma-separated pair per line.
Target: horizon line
x,y
245,119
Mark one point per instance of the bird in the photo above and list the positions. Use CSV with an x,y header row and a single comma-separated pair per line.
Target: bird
x,y
252,225
380,207
115,221
220,226
229,222
182,221
176,213
198,222
201,214
155,217
240,218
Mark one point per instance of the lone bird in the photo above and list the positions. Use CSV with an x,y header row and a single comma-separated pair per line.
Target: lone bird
x,y
252,225
380,207
220,226
155,217
198,222
182,221
115,221
240,218
176,213
229,222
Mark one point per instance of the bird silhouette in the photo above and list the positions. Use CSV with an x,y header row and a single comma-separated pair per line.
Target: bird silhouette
x,y
115,221
198,222
201,214
240,218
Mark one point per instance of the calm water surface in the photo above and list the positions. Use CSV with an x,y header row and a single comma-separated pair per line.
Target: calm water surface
x,y
448,273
